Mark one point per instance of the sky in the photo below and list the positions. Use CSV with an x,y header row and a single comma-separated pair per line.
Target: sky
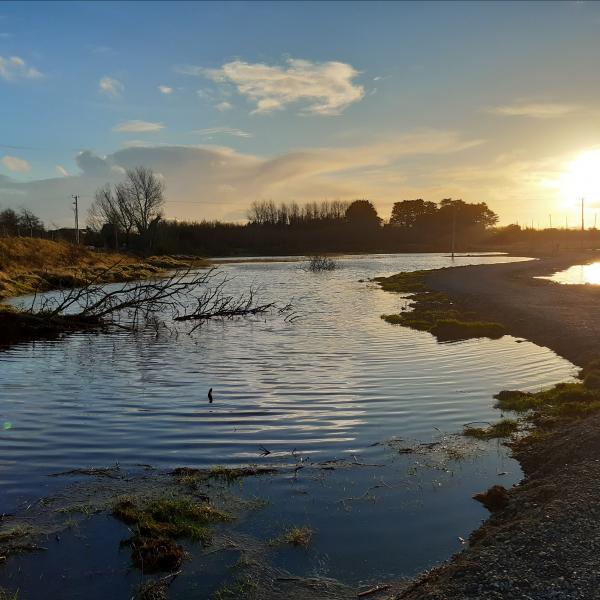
x,y
241,101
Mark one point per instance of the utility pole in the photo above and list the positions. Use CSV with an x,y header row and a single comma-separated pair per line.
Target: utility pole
x,y
550,216
453,230
582,219
76,205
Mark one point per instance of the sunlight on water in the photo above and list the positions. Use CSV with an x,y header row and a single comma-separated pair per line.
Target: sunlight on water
x,y
337,382
578,275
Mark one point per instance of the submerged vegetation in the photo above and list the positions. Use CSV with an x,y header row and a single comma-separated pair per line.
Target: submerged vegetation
x,y
319,263
435,312
158,523
297,536
501,429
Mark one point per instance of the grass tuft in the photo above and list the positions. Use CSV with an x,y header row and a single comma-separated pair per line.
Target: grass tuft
x,y
157,523
501,429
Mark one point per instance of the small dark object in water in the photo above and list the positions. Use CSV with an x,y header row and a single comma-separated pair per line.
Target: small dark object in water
x,y
264,451
496,498
210,396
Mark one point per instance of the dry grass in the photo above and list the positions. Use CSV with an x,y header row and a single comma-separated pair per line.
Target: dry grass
x,y
295,536
28,265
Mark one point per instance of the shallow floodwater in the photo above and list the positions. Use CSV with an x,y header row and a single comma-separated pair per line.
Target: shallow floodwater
x,y
334,384
578,275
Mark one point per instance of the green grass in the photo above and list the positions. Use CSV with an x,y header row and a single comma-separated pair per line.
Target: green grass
x,y
295,536
157,523
403,282
435,312
501,429
549,408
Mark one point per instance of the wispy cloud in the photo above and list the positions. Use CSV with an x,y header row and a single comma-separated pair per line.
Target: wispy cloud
x,y
14,67
165,89
138,127
110,86
225,181
534,110
223,131
12,163
62,171
326,88
223,106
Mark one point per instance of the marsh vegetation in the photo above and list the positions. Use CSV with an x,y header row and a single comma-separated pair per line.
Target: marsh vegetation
x,y
434,311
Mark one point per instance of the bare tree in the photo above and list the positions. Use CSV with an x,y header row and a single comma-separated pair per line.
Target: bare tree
x,y
112,206
30,222
145,194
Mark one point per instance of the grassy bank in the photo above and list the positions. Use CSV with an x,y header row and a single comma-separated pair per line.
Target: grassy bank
x,y
29,265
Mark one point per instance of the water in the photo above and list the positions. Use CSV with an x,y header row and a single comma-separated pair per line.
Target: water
x,y
334,384
577,275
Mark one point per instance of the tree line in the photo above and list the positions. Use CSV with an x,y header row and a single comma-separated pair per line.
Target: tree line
x,y
20,223
129,216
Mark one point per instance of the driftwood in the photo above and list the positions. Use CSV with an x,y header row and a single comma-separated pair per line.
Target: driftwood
x,y
185,295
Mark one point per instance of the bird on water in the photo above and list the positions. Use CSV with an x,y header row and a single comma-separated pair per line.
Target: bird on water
x,y
210,396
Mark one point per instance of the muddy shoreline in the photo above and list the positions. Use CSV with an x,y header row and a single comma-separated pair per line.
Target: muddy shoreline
x,y
544,543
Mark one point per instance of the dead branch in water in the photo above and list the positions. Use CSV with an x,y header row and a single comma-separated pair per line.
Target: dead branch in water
x,y
185,295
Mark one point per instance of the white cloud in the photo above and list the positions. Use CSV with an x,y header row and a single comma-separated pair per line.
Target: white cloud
x,y
110,86
223,131
165,89
138,127
223,106
325,88
62,171
535,110
12,163
14,67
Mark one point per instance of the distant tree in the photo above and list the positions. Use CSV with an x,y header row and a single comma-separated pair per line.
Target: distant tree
x,y
362,212
29,223
408,213
136,204
467,215
146,197
9,222
112,207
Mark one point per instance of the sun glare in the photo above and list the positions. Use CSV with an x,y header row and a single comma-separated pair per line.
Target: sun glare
x,y
582,178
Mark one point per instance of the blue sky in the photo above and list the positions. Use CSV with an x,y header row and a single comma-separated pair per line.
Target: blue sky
x,y
234,102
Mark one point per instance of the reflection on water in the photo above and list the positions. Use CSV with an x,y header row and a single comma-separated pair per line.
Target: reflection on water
x,y
330,385
578,275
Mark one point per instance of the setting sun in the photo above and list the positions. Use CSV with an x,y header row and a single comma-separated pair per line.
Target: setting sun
x,y
582,178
